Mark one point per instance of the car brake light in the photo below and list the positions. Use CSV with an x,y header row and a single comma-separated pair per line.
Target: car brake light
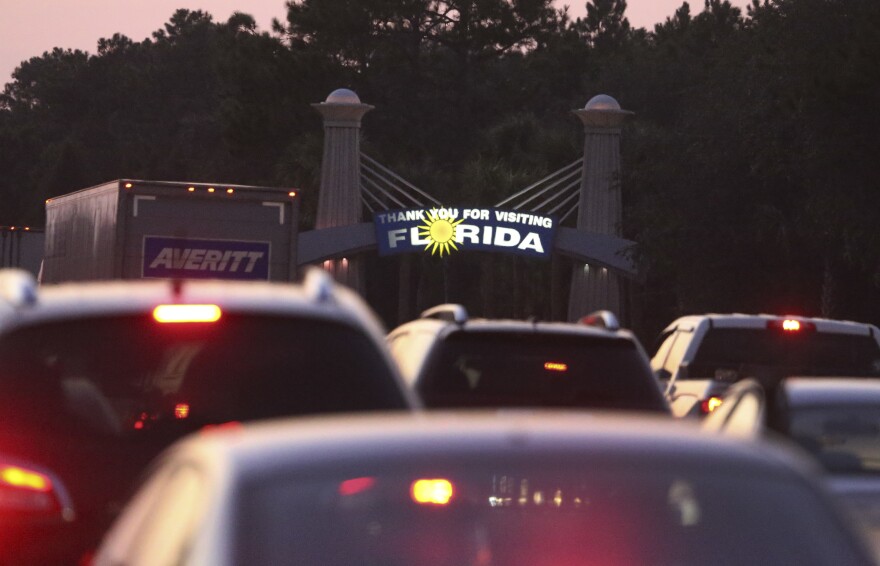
x,y
710,404
23,478
791,325
556,366
181,410
25,491
431,491
187,313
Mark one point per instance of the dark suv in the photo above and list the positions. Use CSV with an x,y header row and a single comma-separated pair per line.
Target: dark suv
x,y
97,378
450,360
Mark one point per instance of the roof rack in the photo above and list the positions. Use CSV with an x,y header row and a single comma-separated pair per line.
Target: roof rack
x,y
449,311
601,319
18,287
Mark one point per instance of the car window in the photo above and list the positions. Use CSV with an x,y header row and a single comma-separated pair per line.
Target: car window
x,y
409,349
681,339
770,354
844,438
129,374
538,369
663,344
523,513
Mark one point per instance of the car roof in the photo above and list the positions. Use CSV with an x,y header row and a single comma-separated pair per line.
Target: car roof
x,y
302,443
741,320
802,391
316,297
447,319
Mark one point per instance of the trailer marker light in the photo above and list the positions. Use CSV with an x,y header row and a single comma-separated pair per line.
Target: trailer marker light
x,y
191,189
555,366
128,185
229,191
291,194
431,491
186,313
210,189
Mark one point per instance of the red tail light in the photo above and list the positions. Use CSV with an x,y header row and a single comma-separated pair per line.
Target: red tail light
x,y
28,492
710,404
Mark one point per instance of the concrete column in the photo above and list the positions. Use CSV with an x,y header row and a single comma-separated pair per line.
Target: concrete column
x,y
339,199
599,208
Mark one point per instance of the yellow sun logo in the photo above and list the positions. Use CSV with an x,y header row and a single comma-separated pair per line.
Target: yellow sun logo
x,y
440,233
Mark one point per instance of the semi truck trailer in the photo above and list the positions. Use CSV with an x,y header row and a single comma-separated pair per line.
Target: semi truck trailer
x,y
133,229
22,247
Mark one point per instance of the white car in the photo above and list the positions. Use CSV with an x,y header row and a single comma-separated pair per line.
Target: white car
x,y
698,357
472,488
97,378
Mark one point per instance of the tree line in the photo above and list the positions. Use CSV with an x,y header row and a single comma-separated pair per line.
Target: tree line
x,y
748,169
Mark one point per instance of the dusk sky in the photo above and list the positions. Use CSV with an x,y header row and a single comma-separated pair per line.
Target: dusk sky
x,y
31,27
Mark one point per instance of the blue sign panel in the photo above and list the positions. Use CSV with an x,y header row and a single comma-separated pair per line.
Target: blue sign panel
x,y
205,259
441,231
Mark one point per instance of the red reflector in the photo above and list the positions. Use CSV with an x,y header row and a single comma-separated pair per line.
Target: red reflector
x,y
710,404
181,411
431,491
187,313
555,366
356,485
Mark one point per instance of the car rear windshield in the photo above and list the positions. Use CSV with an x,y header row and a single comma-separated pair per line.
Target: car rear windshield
x,y
555,512
842,437
128,374
472,369
776,353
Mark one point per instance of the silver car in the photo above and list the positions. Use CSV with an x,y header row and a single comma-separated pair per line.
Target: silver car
x,y
472,488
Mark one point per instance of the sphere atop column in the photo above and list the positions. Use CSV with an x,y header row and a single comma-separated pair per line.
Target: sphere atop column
x,y
602,112
343,96
601,102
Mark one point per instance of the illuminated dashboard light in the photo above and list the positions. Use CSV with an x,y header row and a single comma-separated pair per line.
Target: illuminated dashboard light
x,y
26,479
555,366
431,491
187,313
181,411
